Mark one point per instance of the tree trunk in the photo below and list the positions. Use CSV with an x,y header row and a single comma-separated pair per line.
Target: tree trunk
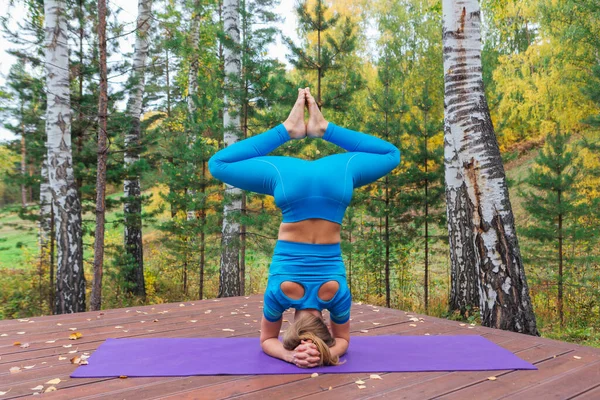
x,y
23,162
133,205
229,283
485,256
70,279
96,299
560,261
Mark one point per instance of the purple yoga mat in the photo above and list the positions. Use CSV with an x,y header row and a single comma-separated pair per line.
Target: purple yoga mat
x,y
243,356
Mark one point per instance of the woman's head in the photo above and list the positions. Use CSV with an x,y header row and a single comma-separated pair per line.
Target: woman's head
x,y
310,327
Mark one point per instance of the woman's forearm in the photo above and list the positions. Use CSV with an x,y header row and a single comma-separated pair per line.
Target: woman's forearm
x,y
274,348
339,348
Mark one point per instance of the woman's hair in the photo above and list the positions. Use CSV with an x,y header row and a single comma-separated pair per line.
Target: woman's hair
x,y
309,326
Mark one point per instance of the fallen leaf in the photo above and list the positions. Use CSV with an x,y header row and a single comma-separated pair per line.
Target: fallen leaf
x,y
491,378
24,345
50,389
51,341
411,325
23,320
375,376
247,315
155,320
4,335
376,323
577,357
207,311
72,329
75,336
59,324
233,313
38,387
359,382
193,320
471,327
118,327
182,305
472,324
73,352
361,386
3,393
314,375
54,381
75,360
29,366
462,324
83,362
427,334
16,343
228,330
14,370
20,333
66,346
415,319
376,310
364,330
60,358
123,377
329,387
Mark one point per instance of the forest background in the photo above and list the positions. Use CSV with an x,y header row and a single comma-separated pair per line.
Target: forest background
x,y
541,72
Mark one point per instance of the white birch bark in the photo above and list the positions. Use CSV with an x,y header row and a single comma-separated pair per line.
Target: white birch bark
x,y
484,249
132,191
229,284
70,280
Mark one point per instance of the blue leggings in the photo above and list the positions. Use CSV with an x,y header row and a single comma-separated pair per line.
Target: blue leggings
x,y
310,265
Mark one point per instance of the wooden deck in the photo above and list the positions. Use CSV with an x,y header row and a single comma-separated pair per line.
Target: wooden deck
x,y
565,371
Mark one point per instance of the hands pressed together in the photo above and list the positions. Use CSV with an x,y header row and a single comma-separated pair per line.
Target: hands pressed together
x,y
306,355
295,124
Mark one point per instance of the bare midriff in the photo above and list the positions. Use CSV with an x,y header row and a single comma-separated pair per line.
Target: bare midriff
x,y
313,230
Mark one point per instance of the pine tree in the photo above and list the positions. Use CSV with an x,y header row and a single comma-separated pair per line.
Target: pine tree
x,y
556,207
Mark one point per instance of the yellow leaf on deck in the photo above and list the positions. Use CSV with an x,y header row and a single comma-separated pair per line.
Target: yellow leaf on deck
x,y
118,327
359,382
16,343
3,393
38,387
24,345
193,320
411,325
375,376
14,370
50,389
20,333
51,341
75,360
364,330
491,378
207,311
376,323
54,381
75,336
60,358
314,375
66,346
29,366
228,330
577,357
361,386
72,329
123,377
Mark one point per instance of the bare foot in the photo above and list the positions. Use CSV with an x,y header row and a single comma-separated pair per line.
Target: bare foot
x,y
295,122
316,124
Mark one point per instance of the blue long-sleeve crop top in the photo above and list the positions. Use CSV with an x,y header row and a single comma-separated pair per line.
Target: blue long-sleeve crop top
x,y
306,189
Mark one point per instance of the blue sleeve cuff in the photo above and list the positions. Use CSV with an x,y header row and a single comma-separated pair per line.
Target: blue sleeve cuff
x,y
328,131
283,133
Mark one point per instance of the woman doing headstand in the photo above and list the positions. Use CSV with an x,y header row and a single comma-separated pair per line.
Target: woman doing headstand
x,y
307,271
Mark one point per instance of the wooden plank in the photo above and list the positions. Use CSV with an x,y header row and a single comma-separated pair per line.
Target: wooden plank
x,y
566,385
514,381
591,394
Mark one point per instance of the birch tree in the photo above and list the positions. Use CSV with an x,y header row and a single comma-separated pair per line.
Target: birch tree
x,y
229,280
70,280
132,191
487,269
